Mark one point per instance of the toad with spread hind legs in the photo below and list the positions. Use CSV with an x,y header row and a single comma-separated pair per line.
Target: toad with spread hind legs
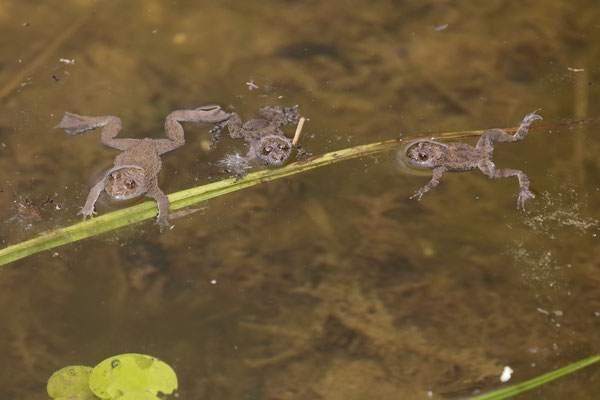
x,y
263,137
136,169
455,157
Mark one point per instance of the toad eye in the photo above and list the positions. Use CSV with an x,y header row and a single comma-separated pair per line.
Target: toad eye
x,y
423,157
130,183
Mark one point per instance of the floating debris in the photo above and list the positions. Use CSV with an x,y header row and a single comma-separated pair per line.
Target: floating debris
x,y
235,164
298,131
506,374
251,85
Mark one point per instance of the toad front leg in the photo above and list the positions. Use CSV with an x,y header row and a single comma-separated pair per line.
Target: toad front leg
x,y
88,209
435,180
162,201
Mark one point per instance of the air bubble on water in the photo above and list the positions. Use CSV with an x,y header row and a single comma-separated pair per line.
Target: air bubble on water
x,y
235,163
554,218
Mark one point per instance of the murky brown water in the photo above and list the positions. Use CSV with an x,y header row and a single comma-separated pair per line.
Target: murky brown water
x,y
330,284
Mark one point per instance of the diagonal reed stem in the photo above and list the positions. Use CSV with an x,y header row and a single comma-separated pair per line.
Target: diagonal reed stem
x,y
526,386
185,198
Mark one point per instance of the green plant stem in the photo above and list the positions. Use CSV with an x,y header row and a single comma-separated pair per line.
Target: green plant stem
x,y
538,381
186,198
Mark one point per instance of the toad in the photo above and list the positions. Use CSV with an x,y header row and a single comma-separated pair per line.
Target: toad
x,y
263,137
136,169
456,157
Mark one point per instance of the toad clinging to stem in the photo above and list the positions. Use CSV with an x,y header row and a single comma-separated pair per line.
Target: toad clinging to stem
x,y
136,169
263,136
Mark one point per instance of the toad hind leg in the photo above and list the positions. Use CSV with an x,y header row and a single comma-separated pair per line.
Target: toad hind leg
x,y
489,169
212,115
498,135
75,124
280,115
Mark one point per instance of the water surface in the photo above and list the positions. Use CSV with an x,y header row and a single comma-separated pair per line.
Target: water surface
x,y
331,284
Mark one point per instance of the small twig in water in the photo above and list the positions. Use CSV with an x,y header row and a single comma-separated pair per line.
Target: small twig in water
x,y
298,131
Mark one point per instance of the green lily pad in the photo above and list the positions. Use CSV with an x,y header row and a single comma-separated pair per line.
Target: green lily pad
x,y
132,377
70,383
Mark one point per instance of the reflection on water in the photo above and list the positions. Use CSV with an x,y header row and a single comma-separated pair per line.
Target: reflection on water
x,y
327,285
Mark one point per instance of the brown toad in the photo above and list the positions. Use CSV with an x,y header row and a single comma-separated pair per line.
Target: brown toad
x,y
263,137
136,169
455,157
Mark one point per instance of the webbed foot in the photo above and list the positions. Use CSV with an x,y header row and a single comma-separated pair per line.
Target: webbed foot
x,y
292,115
162,222
209,107
215,133
213,114
523,196
87,212
531,118
418,194
280,115
302,154
75,124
